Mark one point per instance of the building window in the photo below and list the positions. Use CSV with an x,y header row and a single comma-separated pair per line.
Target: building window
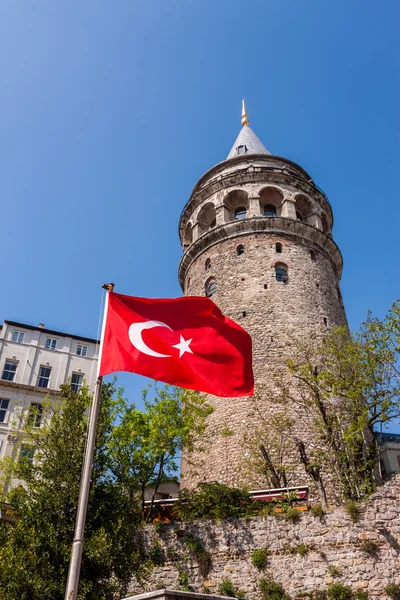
x,y
211,288
240,213
44,377
281,273
299,216
208,264
242,149
81,350
76,381
51,343
278,248
27,452
244,313
9,371
35,414
269,210
18,336
325,321
240,250
4,404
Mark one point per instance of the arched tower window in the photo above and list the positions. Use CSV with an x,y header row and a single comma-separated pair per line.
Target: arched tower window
x,y
210,288
208,264
240,250
235,205
206,218
240,213
281,272
312,254
278,247
269,210
271,200
303,208
324,221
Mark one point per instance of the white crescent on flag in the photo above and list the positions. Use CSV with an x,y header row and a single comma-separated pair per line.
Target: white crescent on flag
x,y
135,336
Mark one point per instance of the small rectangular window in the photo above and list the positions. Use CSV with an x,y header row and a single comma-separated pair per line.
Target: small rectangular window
x,y
81,350
76,381
51,343
9,371
18,336
35,414
4,404
27,452
44,377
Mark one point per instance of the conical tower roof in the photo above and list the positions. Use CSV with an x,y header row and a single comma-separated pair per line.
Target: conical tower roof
x,y
247,142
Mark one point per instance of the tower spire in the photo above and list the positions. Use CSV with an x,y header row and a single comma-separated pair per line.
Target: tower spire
x,y
245,118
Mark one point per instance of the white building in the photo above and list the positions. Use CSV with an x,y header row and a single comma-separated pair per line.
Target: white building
x,y
389,451
34,362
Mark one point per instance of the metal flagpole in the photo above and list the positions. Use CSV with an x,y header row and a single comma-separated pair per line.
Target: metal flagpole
x,y
77,545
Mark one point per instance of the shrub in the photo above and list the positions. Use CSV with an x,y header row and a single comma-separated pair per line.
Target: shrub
x,y
291,514
338,591
334,571
271,590
393,590
156,554
369,547
301,549
183,580
199,551
226,588
353,510
213,501
360,594
317,511
259,558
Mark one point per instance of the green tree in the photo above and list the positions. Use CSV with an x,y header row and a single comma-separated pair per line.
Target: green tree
x,y
35,551
341,388
145,446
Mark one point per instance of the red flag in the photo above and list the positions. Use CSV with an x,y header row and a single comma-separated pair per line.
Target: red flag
x,y
184,341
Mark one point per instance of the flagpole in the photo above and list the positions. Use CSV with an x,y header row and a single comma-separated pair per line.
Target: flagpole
x,y
77,545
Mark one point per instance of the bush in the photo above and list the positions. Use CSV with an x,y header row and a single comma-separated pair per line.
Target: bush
x,y
199,551
370,547
301,549
292,515
271,590
214,501
393,590
226,588
338,591
334,571
360,594
353,510
317,511
259,558
183,580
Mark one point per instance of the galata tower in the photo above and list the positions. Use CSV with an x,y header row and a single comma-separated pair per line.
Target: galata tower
x,y
256,235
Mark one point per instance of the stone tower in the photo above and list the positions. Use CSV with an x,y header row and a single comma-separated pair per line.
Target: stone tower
x,y
256,234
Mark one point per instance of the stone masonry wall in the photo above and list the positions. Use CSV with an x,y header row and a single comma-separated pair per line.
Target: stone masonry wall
x,y
333,540
273,313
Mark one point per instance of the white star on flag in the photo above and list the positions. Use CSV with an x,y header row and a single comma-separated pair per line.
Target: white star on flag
x,y
183,346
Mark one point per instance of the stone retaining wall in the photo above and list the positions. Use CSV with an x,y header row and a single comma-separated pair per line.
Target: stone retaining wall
x,y
334,540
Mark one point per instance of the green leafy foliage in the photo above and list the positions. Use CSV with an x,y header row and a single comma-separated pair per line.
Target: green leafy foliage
x,y
272,590
301,549
370,547
214,501
183,580
226,588
353,510
198,550
140,450
334,571
393,590
259,558
317,511
360,594
338,591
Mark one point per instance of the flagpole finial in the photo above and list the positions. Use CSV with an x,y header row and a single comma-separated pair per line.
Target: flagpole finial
x,y
245,118
108,286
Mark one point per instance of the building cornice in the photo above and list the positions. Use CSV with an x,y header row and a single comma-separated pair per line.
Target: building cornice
x,y
52,332
261,225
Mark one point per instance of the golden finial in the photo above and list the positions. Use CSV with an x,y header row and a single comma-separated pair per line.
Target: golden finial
x,y
245,119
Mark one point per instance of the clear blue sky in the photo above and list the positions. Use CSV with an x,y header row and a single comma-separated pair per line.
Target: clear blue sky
x,y
111,111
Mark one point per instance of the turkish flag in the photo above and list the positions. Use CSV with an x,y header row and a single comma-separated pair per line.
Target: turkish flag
x,y
184,341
